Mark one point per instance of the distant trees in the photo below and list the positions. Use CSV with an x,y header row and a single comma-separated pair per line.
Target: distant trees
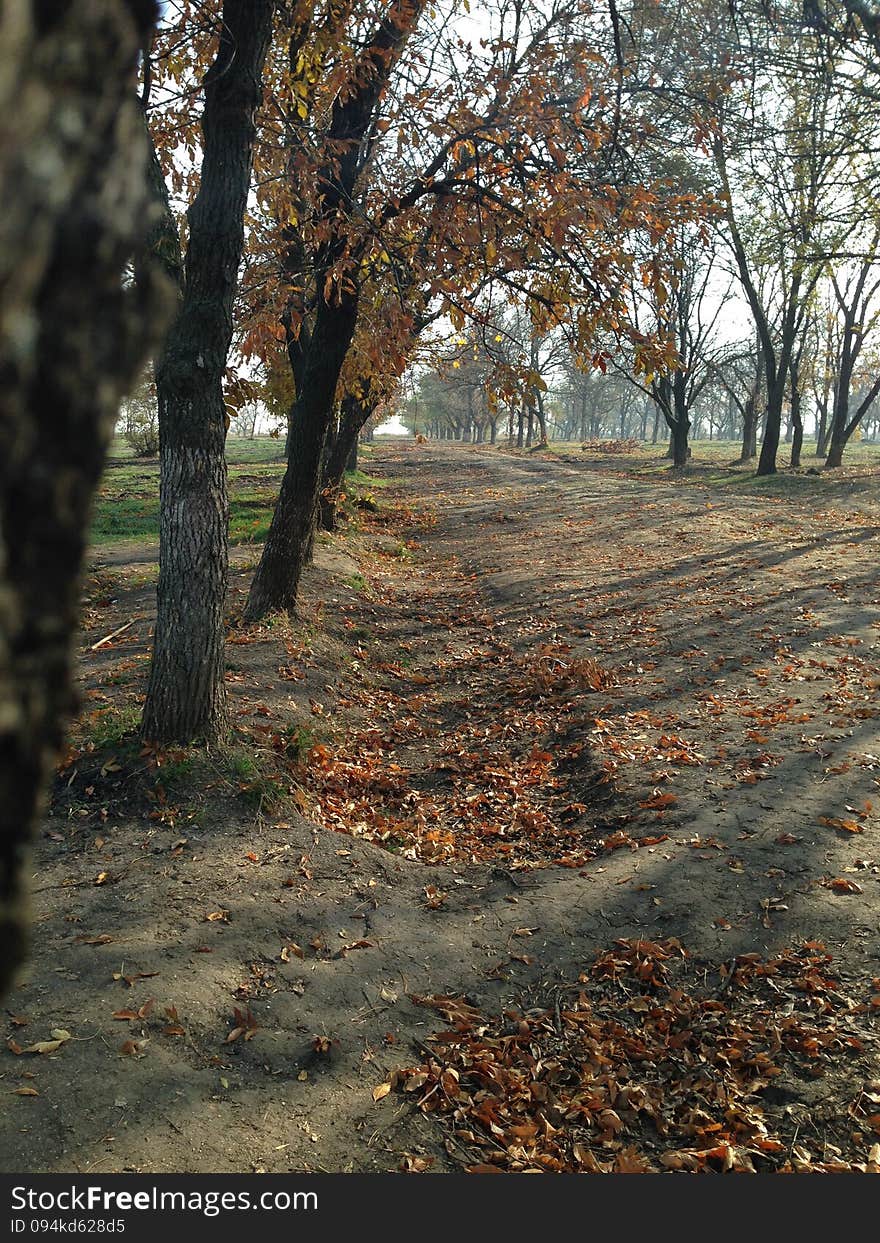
x,y
75,331
140,417
766,109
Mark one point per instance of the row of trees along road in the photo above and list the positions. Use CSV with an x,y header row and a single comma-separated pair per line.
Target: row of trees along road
x,y
769,117
325,180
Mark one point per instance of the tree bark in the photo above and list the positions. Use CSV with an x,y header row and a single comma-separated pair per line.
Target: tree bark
x,y
354,415
797,422
186,695
73,340
285,553
276,581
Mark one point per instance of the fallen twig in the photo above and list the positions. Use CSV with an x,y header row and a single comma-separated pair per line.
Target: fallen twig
x,y
112,635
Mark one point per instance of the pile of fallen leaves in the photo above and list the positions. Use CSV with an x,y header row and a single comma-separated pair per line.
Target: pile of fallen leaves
x,y
630,1071
610,446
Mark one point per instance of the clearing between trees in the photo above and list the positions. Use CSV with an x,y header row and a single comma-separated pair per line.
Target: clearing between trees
x,y
547,841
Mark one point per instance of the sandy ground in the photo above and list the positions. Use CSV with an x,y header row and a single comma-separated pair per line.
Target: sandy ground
x,y
550,706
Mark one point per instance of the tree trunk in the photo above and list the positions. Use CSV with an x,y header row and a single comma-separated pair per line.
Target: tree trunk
x,y
75,210
772,427
354,416
822,428
797,422
277,578
186,694
750,431
835,451
680,452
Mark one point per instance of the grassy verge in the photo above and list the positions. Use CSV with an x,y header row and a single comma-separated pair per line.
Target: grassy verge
x,y
127,506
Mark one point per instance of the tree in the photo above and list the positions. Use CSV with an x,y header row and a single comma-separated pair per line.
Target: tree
x,y
75,332
317,369
682,313
186,695
141,417
855,292
451,165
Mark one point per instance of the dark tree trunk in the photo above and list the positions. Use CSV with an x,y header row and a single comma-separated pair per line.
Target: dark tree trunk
x,y
186,694
72,220
540,415
750,431
772,426
835,451
822,429
354,416
842,426
682,426
797,422
679,443
285,554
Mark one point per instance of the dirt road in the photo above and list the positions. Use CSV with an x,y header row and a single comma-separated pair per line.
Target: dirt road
x,y
560,706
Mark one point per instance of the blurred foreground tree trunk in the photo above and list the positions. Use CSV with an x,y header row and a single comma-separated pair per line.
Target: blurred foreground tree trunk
x,y
74,331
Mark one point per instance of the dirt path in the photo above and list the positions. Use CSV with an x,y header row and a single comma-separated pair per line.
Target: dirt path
x,y
572,707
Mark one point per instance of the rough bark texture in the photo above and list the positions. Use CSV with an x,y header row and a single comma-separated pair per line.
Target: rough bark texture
x,y
290,534
354,416
72,337
186,696
773,424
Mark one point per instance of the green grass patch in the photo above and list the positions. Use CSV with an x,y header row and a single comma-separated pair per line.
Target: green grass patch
x,y
127,506
108,728
357,479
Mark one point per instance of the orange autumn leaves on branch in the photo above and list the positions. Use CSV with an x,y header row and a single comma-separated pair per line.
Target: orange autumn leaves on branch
x,y
494,167
412,163
491,165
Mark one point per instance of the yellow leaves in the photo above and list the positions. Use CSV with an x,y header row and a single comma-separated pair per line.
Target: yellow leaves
x,y
60,1037
380,1092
